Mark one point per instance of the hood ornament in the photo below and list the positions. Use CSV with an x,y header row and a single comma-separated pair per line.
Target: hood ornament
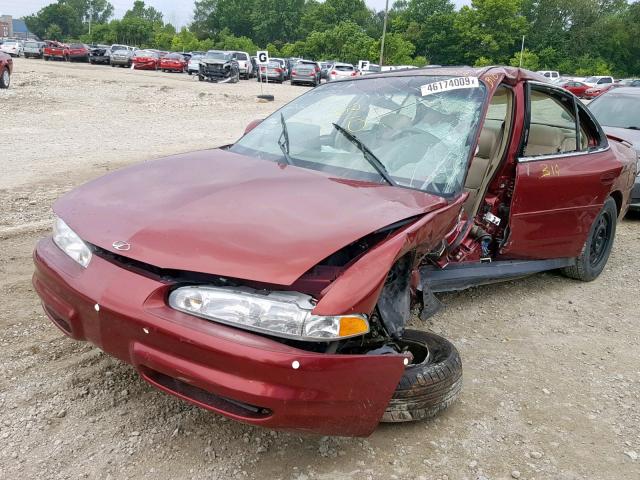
x,y
121,245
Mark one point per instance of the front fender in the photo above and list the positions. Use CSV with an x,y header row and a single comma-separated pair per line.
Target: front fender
x,y
358,288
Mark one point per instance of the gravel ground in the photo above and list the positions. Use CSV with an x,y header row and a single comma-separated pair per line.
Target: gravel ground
x,y
552,366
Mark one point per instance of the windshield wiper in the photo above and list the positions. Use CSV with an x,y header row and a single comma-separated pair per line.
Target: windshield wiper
x,y
368,154
283,141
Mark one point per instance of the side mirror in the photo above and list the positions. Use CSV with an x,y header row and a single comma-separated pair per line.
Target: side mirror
x,y
253,124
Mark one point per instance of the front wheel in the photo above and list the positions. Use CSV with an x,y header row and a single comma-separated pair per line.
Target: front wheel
x,y
596,250
5,78
431,383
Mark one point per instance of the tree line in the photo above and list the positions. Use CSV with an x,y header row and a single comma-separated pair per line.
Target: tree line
x,y
573,36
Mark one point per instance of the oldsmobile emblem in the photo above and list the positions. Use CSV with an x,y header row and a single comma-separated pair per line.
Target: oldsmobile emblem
x,y
121,245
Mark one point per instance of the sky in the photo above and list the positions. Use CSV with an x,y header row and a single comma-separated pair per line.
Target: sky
x,y
177,12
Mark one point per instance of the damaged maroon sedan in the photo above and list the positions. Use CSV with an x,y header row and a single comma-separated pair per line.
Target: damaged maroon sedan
x,y
272,280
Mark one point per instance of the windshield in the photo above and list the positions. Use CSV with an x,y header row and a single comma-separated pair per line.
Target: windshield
x,y
241,56
592,80
217,55
196,57
31,44
418,127
174,56
616,110
146,54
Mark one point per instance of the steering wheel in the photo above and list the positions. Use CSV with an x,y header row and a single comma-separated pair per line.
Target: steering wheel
x,y
414,131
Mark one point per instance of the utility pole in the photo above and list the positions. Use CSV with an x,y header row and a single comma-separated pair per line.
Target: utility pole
x,y
521,51
90,16
384,30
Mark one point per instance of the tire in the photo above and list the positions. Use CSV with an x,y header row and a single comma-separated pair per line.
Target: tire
x,y
429,387
5,78
596,250
46,58
200,78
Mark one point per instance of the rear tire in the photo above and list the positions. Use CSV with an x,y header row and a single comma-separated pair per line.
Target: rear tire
x,y
596,250
428,387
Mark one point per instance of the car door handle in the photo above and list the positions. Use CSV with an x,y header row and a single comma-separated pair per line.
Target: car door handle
x,y
608,178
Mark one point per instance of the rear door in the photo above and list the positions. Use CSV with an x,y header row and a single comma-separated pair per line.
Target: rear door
x,y
563,176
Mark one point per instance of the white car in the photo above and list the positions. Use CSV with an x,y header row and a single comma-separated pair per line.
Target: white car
x,y
599,80
244,64
12,47
194,64
340,71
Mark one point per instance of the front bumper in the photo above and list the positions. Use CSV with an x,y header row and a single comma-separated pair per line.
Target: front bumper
x,y
239,374
120,61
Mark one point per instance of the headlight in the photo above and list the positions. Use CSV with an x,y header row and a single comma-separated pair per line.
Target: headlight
x,y
282,314
70,243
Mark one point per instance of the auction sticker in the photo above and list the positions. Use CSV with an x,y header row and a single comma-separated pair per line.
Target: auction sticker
x,y
449,84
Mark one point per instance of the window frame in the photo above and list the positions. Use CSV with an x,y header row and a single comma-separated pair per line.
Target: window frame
x,y
578,111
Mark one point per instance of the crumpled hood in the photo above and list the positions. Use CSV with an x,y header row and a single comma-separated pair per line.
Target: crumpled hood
x,y
222,213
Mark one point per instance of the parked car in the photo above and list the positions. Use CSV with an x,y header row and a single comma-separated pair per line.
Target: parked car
x,y
577,88
274,71
618,111
324,70
340,71
121,56
244,64
146,60
305,72
78,52
99,54
194,64
6,70
599,81
173,62
55,51
593,92
219,66
272,280
33,49
13,48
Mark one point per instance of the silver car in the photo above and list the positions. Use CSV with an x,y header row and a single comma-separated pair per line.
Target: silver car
x,y
122,55
618,111
12,47
33,49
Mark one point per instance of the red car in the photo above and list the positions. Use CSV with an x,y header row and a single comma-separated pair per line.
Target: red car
x,y
146,60
173,62
272,280
55,51
78,52
6,69
577,88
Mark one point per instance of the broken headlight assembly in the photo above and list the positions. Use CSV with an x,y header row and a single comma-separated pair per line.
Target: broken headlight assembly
x,y
70,243
281,314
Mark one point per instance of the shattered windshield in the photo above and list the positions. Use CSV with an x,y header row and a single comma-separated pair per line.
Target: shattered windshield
x,y
419,128
213,55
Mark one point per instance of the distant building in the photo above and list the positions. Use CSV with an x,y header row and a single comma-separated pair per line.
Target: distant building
x,y
6,26
14,28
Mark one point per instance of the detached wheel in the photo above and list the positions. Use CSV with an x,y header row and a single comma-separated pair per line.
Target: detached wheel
x,y
5,78
430,385
596,250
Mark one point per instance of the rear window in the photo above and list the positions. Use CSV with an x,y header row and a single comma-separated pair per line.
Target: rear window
x,y
31,44
174,56
344,68
242,56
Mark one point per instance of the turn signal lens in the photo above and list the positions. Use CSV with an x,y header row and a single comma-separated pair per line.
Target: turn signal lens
x,y
351,326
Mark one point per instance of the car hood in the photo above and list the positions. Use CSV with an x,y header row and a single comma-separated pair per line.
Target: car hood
x,y
226,214
631,136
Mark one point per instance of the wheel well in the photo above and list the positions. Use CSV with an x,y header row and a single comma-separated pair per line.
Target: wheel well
x,y
617,196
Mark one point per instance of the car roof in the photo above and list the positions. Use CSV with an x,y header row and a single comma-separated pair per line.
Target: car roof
x,y
493,75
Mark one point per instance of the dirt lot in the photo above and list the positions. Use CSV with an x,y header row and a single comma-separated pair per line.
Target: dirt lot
x,y
552,366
